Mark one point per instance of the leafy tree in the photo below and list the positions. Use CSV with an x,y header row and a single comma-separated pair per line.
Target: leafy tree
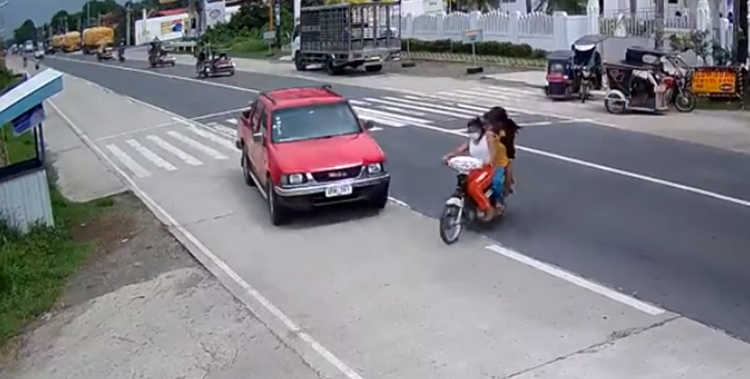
x,y
25,32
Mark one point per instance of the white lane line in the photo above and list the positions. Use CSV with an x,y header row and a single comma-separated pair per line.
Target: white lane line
x,y
185,157
212,137
126,160
150,155
197,145
577,280
611,170
428,107
209,259
231,121
535,92
666,183
415,107
538,123
390,116
212,115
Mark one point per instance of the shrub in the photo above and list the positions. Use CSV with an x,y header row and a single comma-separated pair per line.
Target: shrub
x,y
490,48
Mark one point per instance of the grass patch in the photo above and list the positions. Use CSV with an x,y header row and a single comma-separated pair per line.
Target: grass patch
x,y
17,148
35,267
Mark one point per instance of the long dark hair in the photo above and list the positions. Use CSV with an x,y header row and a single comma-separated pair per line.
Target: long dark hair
x,y
476,123
498,119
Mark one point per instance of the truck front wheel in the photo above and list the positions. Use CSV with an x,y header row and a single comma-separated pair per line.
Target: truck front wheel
x,y
298,63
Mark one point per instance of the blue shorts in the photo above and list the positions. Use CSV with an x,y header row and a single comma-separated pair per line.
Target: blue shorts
x,y
498,185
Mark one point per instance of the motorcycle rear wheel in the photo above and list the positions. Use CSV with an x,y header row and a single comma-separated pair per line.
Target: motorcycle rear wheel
x,y
451,224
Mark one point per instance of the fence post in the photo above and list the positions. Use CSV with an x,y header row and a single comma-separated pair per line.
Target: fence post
x,y
513,20
560,28
440,23
474,20
592,17
407,27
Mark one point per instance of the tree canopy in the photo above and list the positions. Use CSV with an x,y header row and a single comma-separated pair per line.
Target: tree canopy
x,y
27,31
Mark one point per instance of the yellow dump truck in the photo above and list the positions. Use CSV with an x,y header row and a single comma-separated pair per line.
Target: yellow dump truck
x,y
71,42
57,42
95,37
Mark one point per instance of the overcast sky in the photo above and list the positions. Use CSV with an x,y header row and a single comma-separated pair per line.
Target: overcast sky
x,y
39,11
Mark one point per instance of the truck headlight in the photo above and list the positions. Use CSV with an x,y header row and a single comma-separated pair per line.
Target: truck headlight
x,y
293,179
375,168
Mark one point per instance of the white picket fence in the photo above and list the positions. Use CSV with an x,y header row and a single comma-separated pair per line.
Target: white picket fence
x,y
539,30
559,30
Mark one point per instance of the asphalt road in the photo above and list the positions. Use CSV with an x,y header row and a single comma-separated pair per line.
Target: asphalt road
x,y
681,250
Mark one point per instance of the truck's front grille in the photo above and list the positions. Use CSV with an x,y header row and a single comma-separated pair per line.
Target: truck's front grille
x,y
338,174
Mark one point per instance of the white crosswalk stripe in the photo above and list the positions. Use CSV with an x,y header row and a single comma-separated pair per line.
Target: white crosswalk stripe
x,y
151,156
197,145
128,162
185,157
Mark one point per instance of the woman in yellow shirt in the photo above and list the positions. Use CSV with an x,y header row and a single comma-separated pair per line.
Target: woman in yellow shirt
x,y
502,132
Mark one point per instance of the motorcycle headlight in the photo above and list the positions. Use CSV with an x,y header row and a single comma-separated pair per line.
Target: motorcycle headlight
x,y
292,179
586,72
375,168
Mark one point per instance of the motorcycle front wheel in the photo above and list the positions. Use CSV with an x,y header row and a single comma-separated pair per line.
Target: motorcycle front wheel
x,y
451,224
584,91
685,101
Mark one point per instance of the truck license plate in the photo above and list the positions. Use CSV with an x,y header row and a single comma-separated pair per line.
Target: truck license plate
x,y
340,190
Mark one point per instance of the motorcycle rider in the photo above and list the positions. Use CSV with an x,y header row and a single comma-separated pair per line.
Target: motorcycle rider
x,y
121,50
491,140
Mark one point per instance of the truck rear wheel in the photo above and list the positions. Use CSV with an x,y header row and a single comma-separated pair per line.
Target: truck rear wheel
x,y
331,69
298,63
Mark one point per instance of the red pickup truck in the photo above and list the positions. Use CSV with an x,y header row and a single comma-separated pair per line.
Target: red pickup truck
x,y
305,147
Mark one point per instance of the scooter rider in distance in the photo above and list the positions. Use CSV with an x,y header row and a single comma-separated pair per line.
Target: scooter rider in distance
x,y
121,51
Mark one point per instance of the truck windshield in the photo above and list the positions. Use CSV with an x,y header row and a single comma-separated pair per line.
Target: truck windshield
x,y
312,122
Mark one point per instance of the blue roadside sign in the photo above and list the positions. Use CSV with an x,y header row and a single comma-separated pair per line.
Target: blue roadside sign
x,y
28,120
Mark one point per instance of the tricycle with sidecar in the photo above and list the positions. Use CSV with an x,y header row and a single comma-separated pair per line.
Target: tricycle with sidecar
x,y
641,82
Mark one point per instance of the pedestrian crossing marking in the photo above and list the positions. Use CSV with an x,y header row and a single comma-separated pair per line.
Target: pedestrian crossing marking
x,y
128,162
185,157
212,137
451,111
197,145
150,155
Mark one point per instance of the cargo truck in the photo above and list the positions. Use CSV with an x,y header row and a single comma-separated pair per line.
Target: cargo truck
x,y
95,37
71,42
345,36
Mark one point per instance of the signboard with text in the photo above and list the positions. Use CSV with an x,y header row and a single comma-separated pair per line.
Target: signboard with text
x,y
716,82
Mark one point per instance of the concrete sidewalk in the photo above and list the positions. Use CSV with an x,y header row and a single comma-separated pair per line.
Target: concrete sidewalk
x,y
145,309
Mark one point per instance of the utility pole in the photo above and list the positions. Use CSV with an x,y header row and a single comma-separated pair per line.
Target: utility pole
x,y
128,17
659,25
88,14
740,31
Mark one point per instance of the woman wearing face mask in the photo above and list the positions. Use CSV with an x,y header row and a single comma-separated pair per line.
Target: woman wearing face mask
x,y
483,144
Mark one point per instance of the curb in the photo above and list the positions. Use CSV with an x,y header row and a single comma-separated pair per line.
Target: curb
x,y
500,61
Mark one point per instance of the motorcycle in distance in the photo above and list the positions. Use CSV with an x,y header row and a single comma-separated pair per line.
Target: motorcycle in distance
x,y
460,209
